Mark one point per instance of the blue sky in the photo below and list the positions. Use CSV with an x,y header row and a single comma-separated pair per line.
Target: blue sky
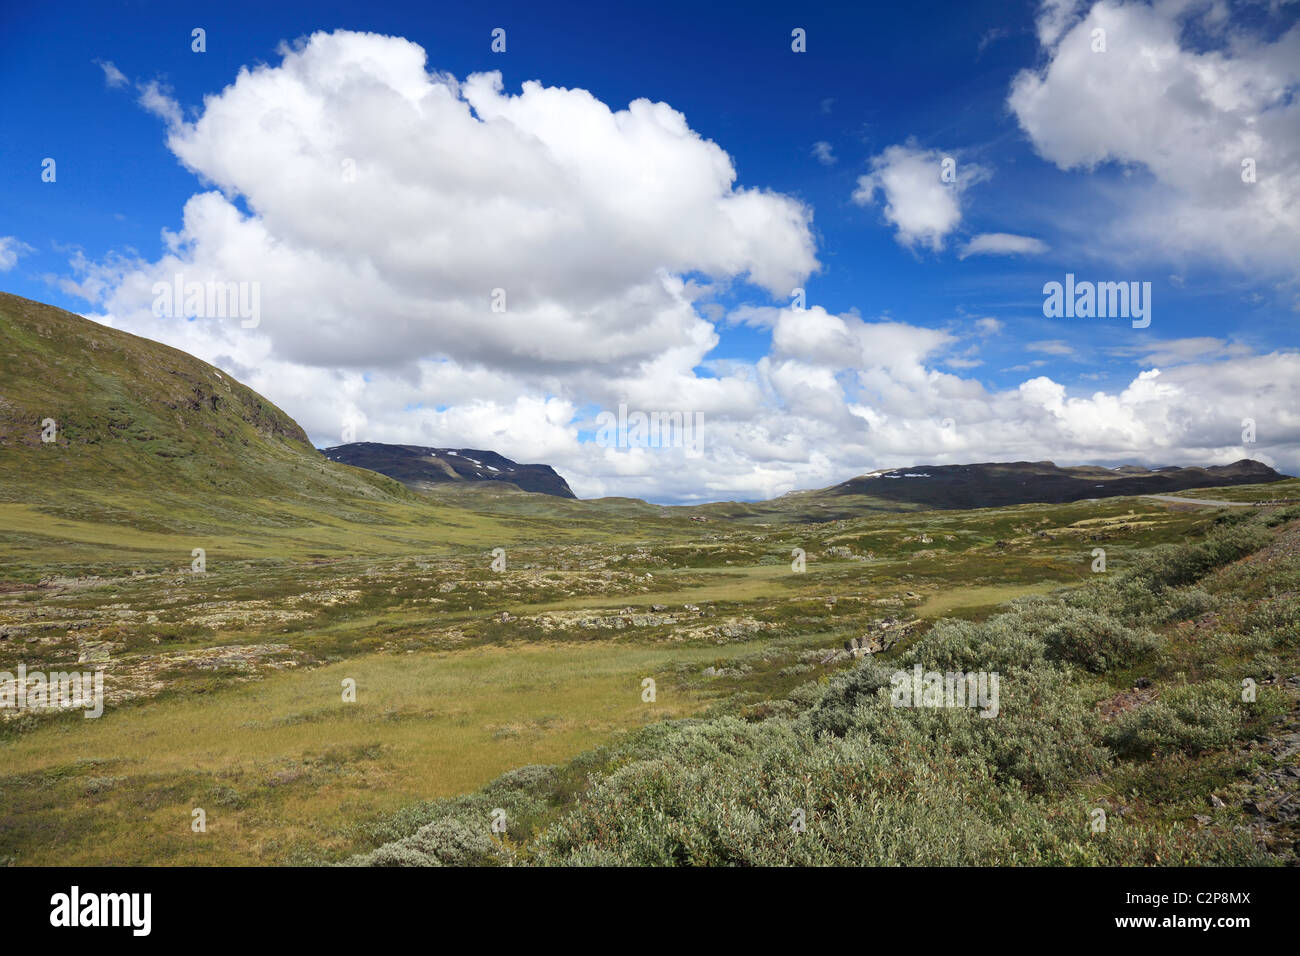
x,y
928,80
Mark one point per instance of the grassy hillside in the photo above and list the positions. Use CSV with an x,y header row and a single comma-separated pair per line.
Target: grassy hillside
x,y
142,416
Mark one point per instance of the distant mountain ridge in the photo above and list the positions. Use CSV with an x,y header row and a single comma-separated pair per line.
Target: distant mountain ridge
x,y
416,465
995,484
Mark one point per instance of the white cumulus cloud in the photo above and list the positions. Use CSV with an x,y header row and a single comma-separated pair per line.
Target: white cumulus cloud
x,y
380,204
918,202
1214,122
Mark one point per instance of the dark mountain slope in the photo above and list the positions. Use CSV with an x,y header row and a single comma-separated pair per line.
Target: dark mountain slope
x,y
416,466
994,484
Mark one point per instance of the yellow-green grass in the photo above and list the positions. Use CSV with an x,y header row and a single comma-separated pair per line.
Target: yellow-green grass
x,y
1273,491
35,536
284,763
945,602
93,528
285,770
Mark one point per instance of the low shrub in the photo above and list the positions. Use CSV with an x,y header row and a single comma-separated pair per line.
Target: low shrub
x,y
1003,643
1176,565
446,842
1190,719
1095,641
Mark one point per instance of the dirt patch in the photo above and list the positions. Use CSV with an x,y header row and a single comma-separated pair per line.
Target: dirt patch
x,y
1125,701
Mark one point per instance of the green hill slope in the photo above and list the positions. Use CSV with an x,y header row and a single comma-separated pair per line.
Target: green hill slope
x,y
136,414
